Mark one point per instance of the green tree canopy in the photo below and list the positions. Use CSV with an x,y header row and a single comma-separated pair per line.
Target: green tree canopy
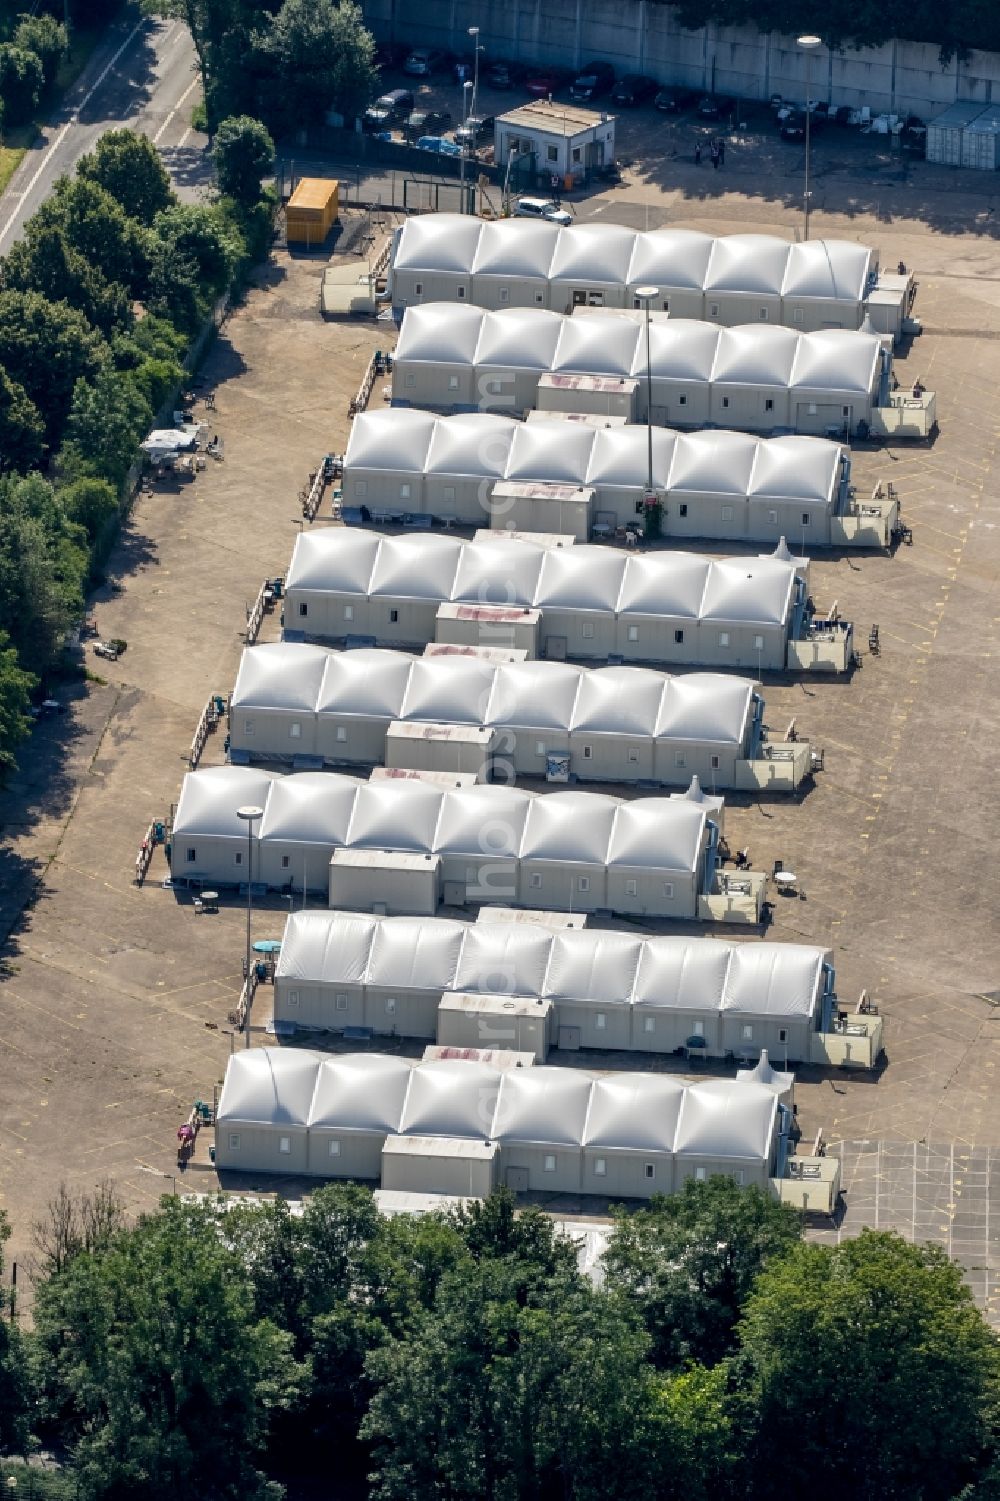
x,y
98,228
321,57
45,261
689,1262
90,503
46,37
107,420
21,427
21,79
130,169
15,688
244,155
47,347
204,234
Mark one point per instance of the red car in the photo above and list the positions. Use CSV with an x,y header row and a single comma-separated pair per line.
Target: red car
x,y
547,81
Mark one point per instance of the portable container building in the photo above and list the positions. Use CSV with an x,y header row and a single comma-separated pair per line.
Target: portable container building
x,y
515,348
577,592
476,1021
618,470
386,459
540,1128
262,1124
319,981
208,839
359,698
589,979
411,962
435,747
433,365
451,1097
542,506
590,266
510,267
479,839
306,817
440,1165
838,379
564,851
681,361
385,881
312,211
713,1119
981,141
357,1102
710,478
466,457
331,573
410,577
433,258
272,708
659,871
675,262
770,1002
751,376
945,132
827,284
601,397
628,1143
744,279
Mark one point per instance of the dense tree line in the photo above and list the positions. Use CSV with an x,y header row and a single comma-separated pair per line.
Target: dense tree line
x,y
99,302
227,1353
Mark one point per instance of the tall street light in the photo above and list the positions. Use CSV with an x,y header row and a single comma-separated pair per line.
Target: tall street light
x,y
808,44
646,296
467,88
249,814
474,33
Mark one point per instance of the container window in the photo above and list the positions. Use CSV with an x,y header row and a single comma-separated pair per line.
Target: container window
x,y
449,492
419,289
782,1034
699,1029
666,304
348,612
393,617
713,309
453,383
768,404
286,861
295,730
504,294
805,518
699,1175
588,752
239,857
552,153
679,638
758,643
587,630
248,727
727,513
633,757
360,487
649,1170
632,888
649,1024
601,1021
284,1145
536,881
682,401
668,890
539,747
539,298
293,998
600,1167
341,734
234,1141
409,379
191,855
679,759
845,411
390,1005
549,1162
576,153
682,509
341,1002
633,633
715,763
812,409
404,492
303,607
639,508
763,315
748,1033
723,638
796,315
583,884
725,401
461,293
772,517
335,1149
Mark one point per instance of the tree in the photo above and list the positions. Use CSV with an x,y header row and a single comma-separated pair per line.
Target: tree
x,y
13,1366
689,1261
244,155
153,1369
21,427
74,1224
98,228
493,1229
210,241
871,1371
128,167
44,261
696,1428
21,80
322,57
47,347
106,422
46,38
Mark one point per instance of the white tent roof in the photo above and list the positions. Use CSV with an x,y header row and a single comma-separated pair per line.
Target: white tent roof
x,y
716,463
749,590
518,248
592,965
570,827
682,975
630,1111
451,1097
555,451
658,833
598,254
209,800
535,695
476,444
664,584
754,354
390,815
413,954
498,573
486,820
439,333
312,807
620,701
706,706
718,1121
506,959
581,578
747,263
416,567
598,346
620,456
519,339
438,242
360,1092
340,559
328,946
795,467
268,1086
836,359
550,1107
682,349
449,690
369,682
395,438
774,979
830,269
669,258
279,675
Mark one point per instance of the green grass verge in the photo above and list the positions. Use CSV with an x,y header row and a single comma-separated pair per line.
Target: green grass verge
x,y
15,144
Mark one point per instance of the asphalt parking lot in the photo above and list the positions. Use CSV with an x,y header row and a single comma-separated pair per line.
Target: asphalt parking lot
x,y
114,1002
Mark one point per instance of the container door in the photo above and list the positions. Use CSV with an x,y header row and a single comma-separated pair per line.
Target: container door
x,y
517,1179
569,1038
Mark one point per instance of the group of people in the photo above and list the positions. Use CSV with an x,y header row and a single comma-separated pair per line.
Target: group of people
x,y
716,150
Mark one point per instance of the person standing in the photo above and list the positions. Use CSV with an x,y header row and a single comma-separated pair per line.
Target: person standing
x,y
722,152
697,154
715,157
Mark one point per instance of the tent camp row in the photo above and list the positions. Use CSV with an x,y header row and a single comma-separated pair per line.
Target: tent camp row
x,y
313,707
582,601
485,469
527,988
753,377
743,278
456,1125
404,845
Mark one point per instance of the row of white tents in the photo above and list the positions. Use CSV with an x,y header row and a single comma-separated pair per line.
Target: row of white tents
x,y
416,841
311,706
463,1126
725,485
524,987
751,377
742,278
581,601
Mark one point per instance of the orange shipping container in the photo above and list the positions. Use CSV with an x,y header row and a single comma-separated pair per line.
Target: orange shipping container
x,y
312,209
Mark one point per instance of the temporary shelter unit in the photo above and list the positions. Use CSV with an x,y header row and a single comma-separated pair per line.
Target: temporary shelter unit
x,y
385,460
358,699
470,1125
503,627
602,397
727,278
588,419
603,989
756,377
312,211
618,472
594,602
474,844
272,708
467,455
945,133
433,747
553,508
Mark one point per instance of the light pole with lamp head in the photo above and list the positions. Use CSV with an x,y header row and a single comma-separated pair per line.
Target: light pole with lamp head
x,y
467,87
249,814
474,33
645,296
808,44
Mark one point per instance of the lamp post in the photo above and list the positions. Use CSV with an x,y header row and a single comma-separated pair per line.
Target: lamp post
x,y
808,44
249,814
645,296
474,33
467,87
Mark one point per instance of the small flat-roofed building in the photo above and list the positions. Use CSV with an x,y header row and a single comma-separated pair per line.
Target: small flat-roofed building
x,y
263,1116
440,1165
433,256
510,1022
555,140
433,364
386,881
437,747
357,1101
511,263
597,400
556,508
540,1127
675,261
628,1143
589,267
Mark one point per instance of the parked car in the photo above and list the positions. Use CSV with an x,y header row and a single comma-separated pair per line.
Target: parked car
x,y
595,79
546,81
672,101
633,89
424,61
439,145
426,122
794,127
478,130
541,208
47,709
387,111
503,75
714,107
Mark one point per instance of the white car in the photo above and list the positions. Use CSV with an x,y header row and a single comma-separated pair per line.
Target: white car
x,y
541,208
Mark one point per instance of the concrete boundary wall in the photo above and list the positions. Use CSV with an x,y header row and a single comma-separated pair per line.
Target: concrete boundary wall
x,y
636,36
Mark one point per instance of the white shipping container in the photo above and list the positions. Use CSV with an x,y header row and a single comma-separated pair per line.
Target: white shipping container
x,y
944,135
981,142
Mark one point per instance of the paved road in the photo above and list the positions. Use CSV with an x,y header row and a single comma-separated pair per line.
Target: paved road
x,y
144,75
